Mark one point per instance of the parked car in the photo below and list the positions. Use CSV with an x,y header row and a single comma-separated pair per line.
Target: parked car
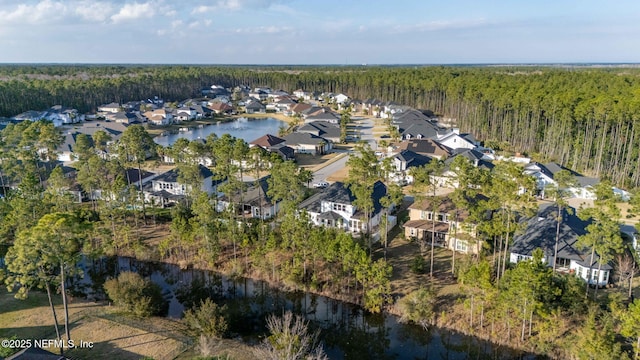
x,y
321,185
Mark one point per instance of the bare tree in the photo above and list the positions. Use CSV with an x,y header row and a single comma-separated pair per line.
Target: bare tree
x,y
290,339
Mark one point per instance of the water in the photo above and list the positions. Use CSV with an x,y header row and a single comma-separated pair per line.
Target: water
x,y
243,128
346,331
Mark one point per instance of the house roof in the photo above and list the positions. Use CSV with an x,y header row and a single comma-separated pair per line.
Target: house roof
x,y
440,227
330,215
424,129
339,193
540,232
298,138
267,140
324,116
321,128
475,157
255,105
254,195
412,159
284,151
132,176
299,108
552,168
171,176
446,205
424,147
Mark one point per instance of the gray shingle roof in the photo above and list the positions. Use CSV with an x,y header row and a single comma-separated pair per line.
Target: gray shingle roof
x,y
297,138
171,176
540,232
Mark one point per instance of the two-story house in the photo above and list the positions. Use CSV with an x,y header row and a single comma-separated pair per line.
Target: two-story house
x,y
334,207
166,187
540,232
451,228
254,202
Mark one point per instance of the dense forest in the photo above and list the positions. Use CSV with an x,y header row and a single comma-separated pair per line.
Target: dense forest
x,y
583,118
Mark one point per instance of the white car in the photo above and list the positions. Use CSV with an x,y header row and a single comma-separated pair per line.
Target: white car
x,y
321,185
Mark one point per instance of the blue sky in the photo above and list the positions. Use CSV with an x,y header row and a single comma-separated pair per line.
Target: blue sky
x,y
319,32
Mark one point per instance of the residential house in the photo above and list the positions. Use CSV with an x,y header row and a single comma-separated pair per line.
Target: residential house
x,y
166,188
451,228
454,140
299,93
426,147
126,117
274,144
324,115
255,107
405,160
334,207
221,108
299,109
254,202
66,149
305,143
448,176
57,114
259,94
340,98
540,232
324,129
159,117
544,175
110,108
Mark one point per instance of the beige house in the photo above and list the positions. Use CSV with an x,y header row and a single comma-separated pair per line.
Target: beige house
x,y
450,228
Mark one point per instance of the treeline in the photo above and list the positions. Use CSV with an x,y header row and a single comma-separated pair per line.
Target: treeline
x,y
585,119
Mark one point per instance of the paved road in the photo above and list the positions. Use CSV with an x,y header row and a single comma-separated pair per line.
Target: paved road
x,y
325,172
365,127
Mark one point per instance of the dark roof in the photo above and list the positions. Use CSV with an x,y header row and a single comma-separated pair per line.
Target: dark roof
x,y
552,168
424,129
412,159
255,105
303,138
171,176
540,232
255,194
424,147
284,151
340,193
132,176
321,128
475,157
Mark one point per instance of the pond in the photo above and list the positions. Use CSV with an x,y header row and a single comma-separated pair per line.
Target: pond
x,y
243,128
347,332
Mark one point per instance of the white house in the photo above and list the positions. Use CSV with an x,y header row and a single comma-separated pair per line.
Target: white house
x,y
540,232
454,140
305,143
544,175
340,98
166,188
334,207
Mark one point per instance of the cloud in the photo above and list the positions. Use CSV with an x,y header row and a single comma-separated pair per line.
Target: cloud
x,y
94,11
236,5
43,11
263,30
440,25
133,11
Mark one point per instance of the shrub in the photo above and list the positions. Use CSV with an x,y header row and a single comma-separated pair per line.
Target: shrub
x,y
208,319
418,265
135,294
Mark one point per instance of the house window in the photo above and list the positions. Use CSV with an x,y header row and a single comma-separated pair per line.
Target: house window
x,y
580,271
462,246
440,217
595,275
412,231
423,215
606,276
429,215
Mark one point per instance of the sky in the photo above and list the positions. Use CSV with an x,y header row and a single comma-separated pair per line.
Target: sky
x,y
345,32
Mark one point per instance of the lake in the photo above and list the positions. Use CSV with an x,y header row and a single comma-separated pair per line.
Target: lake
x,y
243,128
346,331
